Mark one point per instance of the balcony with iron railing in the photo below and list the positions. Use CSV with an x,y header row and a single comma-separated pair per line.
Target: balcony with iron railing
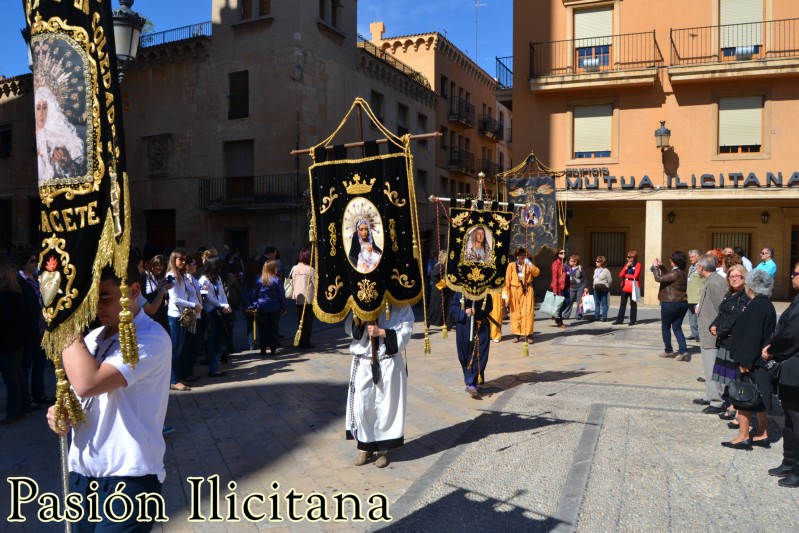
x,y
276,191
489,168
461,160
368,46
490,128
461,111
764,49
505,81
630,60
148,40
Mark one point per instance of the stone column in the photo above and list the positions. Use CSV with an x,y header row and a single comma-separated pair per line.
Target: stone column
x,y
653,247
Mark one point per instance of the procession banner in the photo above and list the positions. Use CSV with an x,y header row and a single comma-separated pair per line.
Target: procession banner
x,y
536,223
365,221
85,211
478,250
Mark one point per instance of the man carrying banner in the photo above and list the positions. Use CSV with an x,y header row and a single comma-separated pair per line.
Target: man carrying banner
x,y
120,449
375,416
473,340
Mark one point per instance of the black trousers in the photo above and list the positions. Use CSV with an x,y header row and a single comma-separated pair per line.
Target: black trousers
x,y
623,307
790,436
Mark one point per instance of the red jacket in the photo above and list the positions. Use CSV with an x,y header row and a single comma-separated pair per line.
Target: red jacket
x,y
558,284
627,279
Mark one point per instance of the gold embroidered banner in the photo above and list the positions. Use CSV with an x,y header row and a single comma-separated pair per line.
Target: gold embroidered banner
x,y
365,221
478,250
85,211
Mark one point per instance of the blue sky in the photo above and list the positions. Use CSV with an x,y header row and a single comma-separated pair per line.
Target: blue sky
x,y
453,18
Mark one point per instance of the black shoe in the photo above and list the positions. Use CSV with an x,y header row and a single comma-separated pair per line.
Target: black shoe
x,y
791,480
743,445
710,410
701,401
761,443
263,353
692,338
617,322
700,379
732,425
217,374
631,323
781,471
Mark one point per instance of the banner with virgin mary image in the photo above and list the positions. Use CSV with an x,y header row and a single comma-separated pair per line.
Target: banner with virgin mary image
x,y
364,215
478,250
535,225
85,215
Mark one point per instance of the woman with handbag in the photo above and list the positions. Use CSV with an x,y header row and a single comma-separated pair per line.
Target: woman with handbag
x,y
576,286
783,365
270,300
630,276
180,312
560,285
724,368
302,279
751,333
602,283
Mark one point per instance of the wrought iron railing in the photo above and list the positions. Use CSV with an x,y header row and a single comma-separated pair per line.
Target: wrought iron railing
x,y
461,160
630,51
367,46
461,111
490,127
505,72
773,39
489,168
203,29
275,190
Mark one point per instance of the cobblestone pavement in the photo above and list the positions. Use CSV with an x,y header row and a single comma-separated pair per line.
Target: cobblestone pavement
x,y
591,432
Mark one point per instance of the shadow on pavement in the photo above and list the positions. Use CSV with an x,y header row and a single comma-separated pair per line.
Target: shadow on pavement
x,y
466,510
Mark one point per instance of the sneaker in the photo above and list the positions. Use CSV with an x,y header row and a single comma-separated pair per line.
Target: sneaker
x,y
167,430
363,457
668,354
682,356
382,460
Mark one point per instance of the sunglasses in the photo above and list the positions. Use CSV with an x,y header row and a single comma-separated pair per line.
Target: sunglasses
x,y
561,253
764,253
794,274
738,277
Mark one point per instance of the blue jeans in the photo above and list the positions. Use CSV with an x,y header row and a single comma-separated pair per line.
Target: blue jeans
x,y
601,300
79,484
178,335
671,317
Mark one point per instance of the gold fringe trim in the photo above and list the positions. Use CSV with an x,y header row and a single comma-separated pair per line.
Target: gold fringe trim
x,y
444,334
56,341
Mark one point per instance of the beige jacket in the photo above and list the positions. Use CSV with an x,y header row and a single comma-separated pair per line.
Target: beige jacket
x,y
302,276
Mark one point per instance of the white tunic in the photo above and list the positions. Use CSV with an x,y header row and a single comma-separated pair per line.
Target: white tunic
x,y
376,412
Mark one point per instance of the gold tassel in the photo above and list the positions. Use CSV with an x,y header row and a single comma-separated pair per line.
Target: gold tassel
x,y
297,337
388,311
479,379
427,350
444,334
128,342
525,349
67,406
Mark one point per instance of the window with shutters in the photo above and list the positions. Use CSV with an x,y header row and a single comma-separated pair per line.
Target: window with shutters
x,y
593,29
593,131
5,140
402,119
239,96
740,123
741,29
239,170
610,244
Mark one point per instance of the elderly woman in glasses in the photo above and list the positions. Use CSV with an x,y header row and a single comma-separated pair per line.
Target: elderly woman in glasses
x,y
630,277
751,333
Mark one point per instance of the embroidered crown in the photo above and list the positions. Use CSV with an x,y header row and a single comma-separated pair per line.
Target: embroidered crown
x,y
356,186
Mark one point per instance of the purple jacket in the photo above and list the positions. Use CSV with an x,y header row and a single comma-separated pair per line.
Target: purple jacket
x,y
269,298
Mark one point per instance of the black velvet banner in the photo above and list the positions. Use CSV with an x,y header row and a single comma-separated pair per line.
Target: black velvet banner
x,y
478,250
364,212
80,155
536,222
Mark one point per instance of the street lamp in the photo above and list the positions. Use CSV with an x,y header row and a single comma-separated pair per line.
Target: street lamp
x,y
127,30
662,136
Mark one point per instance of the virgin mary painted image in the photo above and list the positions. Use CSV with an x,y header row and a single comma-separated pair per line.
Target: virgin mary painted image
x,y
60,112
478,245
363,232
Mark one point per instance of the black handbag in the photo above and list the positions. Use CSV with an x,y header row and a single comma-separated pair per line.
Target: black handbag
x,y
745,395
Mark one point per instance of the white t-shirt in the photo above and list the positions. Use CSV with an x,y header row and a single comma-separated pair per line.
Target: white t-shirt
x,y
123,436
